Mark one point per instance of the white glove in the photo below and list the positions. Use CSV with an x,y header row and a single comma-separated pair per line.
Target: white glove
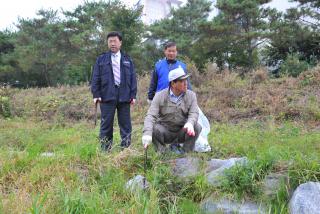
x,y
149,101
95,100
189,129
146,140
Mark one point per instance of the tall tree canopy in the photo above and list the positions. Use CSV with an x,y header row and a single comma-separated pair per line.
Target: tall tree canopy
x,y
52,49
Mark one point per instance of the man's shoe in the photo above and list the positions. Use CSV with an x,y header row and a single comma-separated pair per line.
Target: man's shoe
x,y
125,144
105,147
177,149
105,144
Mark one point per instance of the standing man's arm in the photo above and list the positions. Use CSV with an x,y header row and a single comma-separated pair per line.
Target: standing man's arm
x,y
133,90
96,83
153,85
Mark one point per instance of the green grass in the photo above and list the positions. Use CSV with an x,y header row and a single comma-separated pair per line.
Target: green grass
x,y
288,148
81,179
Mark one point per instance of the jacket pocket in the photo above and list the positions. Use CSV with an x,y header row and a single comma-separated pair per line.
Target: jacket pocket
x,y
105,71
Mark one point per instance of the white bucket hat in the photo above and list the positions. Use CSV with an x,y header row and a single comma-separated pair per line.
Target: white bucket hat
x,y
177,74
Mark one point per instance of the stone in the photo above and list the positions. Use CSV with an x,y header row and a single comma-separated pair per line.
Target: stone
x,y
272,183
306,199
216,167
137,184
47,154
185,167
227,206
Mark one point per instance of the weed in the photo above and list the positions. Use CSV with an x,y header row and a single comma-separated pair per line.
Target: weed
x,y
243,180
37,204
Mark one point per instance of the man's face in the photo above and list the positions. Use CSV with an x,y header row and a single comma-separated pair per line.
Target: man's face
x,y
171,53
180,86
114,44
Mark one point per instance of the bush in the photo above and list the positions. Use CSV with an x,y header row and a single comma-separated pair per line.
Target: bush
x,y
4,106
243,180
310,77
259,76
4,103
293,66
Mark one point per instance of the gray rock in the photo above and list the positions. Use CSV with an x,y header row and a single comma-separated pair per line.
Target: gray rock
x,y
228,207
216,167
185,167
47,154
306,199
272,183
137,184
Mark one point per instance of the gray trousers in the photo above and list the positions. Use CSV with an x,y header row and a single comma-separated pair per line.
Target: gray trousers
x,y
162,136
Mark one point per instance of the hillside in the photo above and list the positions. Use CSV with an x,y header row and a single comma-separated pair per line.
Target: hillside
x,y
51,163
224,97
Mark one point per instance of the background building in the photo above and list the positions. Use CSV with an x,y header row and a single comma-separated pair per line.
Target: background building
x,y
154,10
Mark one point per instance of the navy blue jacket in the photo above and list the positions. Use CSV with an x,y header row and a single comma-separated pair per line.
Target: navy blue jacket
x,y
102,84
160,79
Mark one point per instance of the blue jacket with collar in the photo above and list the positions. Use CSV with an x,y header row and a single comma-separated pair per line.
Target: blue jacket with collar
x,y
102,83
159,78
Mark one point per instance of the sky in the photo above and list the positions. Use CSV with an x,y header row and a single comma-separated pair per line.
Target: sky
x,y
12,9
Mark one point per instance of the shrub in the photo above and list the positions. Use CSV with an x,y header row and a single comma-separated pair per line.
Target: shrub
x,y
293,66
5,107
4,103
244,179
259,76
310,77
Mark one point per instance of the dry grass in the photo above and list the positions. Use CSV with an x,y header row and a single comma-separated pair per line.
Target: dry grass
x,y
227,97
80,176
222,95
311,77
120,160
259,76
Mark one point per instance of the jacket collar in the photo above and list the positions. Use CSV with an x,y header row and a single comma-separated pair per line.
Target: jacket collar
x,y
108,56
170,61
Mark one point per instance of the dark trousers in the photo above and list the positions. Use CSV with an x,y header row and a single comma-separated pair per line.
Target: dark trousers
x,y
107,119
162,136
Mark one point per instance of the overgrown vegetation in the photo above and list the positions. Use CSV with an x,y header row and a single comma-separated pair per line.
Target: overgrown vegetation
x,y
49,154
50,157
78,178
223,96
60,47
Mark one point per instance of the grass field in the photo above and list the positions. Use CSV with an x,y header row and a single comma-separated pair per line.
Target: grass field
x,y
50,161
78,178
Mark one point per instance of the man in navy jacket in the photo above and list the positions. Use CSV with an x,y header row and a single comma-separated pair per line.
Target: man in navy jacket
x,y
114,85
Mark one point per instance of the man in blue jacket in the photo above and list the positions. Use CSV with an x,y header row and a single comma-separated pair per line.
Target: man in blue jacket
x,y
159,78
114,86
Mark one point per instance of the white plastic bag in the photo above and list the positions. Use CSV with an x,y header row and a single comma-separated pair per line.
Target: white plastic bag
x,y
202,144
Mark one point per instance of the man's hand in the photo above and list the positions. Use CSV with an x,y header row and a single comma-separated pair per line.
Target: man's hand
x,y
132,101
146,140
189,129
95,100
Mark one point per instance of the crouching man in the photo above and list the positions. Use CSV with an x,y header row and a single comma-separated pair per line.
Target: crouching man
x,y
172,116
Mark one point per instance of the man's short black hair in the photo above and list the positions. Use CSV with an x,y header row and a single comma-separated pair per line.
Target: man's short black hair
x,y
113,34
169,45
